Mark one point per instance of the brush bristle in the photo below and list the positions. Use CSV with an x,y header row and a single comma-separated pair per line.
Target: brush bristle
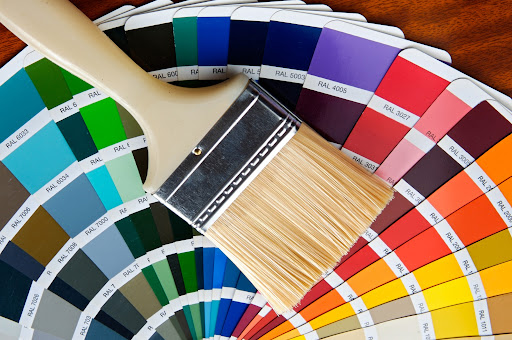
x,y
298,217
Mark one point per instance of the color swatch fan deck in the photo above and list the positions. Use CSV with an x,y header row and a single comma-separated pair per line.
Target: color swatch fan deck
x,y
86,253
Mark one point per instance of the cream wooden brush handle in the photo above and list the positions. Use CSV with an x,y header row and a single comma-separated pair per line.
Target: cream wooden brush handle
x,y
173,118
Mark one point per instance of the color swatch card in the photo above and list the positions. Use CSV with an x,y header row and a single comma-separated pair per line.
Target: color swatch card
x,y
347,67
213,30
219,268
248,35
146,34
452,104
150,39
185,41
182,261
213,27
208,266
251,316
231,275
407,90
247,38
198,257
114,27
283,72
243,297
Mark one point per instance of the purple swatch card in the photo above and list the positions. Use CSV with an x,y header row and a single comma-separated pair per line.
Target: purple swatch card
x,y
347,67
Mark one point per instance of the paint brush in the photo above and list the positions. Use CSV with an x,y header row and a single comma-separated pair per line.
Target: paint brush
x,y
281,202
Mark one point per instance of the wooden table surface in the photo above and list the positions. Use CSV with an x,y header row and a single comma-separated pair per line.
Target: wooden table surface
x,y
477,33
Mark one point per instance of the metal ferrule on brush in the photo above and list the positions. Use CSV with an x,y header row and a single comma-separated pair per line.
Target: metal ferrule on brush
x,y
242,142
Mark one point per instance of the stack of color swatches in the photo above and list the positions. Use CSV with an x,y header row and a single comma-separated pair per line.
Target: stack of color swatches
x,y
85,253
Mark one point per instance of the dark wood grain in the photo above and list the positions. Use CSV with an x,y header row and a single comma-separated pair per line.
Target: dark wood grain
x,y
477,33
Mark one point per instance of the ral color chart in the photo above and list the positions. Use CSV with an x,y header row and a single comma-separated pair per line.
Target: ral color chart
x,y
86,253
